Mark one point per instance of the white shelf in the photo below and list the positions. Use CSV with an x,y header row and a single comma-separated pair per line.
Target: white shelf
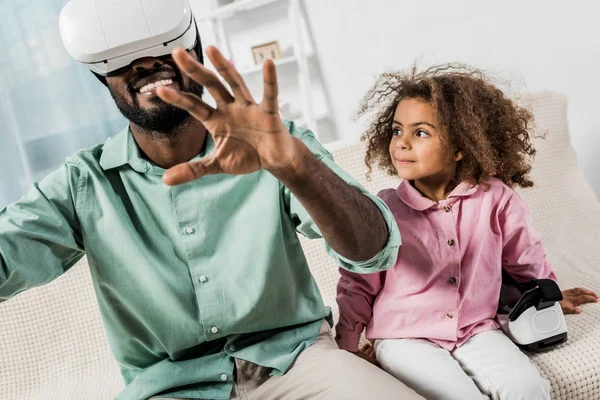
x,y
300,60
235,7
258,68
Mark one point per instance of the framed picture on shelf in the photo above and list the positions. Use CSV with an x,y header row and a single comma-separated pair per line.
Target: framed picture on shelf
x,y
266,51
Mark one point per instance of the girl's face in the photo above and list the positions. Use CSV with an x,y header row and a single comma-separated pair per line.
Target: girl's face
x,y
416,148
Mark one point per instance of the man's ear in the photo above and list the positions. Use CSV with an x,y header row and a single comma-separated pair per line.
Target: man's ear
x,y
458,156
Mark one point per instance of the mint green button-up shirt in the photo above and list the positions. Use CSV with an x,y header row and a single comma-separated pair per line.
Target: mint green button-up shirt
x,y
187,278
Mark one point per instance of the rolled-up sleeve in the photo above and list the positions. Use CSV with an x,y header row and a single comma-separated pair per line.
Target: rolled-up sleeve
x,y
40,237
386,257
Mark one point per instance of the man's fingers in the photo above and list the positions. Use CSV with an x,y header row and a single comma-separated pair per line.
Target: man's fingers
x,y
202,75
186,172
241,92
269,103
187,101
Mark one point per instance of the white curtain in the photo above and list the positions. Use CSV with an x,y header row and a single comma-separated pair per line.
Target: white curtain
x,y
50,106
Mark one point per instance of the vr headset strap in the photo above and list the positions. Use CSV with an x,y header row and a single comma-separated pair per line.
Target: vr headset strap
x,y
548,288
541,293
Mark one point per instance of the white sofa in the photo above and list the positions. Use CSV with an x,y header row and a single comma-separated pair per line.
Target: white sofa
x,y
52,345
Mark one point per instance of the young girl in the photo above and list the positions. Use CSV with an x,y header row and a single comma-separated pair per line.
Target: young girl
x,y
460,146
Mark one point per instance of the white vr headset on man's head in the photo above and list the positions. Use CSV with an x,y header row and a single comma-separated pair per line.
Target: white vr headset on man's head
x,y
108,35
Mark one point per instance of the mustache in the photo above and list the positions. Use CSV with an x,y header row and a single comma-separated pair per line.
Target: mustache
x,y
138,76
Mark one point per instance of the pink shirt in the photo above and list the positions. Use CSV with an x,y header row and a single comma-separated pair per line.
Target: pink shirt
x,y
446,282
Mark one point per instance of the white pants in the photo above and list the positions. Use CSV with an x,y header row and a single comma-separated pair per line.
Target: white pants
x,y
488,365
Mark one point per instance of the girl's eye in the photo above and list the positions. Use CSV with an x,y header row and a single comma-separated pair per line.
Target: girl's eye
x,y
422,133
396,132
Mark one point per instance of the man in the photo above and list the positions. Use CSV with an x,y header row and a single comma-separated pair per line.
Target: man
x,y
201,281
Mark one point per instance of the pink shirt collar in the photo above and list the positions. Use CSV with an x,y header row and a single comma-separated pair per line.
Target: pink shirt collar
x,y
414,199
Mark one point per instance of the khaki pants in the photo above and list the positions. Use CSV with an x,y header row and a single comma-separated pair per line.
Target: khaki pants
x,y
322,371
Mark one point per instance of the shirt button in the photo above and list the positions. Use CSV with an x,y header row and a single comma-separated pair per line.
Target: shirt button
x,y
449,315
189,230
224,377
232,348
447,209
202,278
452,280
214,329
451,242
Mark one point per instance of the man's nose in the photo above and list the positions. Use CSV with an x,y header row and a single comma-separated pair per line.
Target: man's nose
x,y
146,63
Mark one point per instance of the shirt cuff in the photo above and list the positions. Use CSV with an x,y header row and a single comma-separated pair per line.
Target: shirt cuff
x,y
386,257
347,340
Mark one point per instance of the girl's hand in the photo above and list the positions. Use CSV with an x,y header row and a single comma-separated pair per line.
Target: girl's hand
x,y
576,297
367,353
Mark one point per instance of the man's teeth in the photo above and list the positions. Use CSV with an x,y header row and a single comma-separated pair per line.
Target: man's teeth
x,y
156,84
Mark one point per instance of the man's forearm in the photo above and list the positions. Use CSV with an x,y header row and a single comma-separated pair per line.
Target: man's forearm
x,y
348,220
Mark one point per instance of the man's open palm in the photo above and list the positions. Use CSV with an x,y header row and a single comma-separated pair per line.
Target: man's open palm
x,y
248,136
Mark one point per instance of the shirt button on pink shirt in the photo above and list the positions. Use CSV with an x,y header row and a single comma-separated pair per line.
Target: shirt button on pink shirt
x,y
446,282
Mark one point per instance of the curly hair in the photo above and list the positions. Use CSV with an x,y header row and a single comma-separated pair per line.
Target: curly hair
x,y
490,130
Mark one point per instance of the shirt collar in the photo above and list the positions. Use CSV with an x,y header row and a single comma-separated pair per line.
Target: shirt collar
x,y
122,149
414,199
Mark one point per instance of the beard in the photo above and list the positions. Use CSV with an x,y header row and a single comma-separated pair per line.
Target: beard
x,y
163,118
